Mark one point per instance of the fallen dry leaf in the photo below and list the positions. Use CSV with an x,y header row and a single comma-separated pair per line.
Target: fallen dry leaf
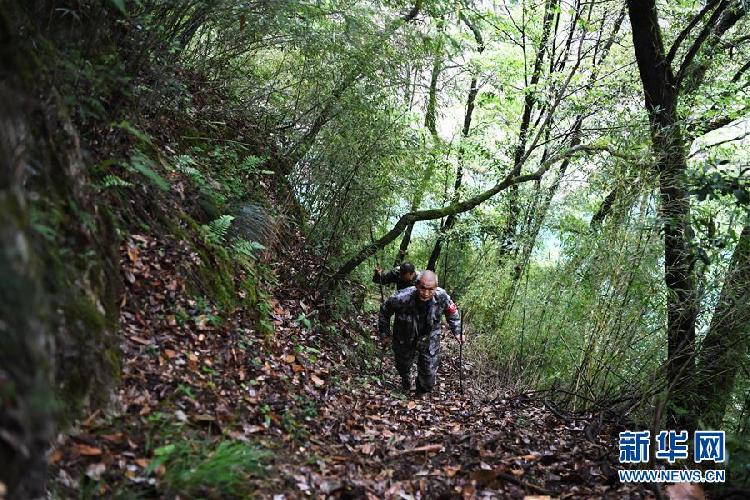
x,y
429,448
117,437
133,253
450,470
55,457
87,451
685,491
530,457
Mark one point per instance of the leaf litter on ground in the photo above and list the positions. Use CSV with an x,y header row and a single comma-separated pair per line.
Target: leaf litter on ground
x,y
309,397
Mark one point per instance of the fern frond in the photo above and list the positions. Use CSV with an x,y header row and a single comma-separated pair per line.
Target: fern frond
x,y
216,230
221,225
142,164
114,181
247,248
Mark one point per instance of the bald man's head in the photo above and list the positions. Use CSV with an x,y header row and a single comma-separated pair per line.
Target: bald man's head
x,y
428,276
426,285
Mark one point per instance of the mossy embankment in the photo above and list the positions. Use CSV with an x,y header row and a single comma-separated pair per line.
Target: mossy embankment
x,y
97,146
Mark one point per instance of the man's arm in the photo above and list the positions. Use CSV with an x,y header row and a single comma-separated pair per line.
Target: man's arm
x,y
387,309
390,277
451,314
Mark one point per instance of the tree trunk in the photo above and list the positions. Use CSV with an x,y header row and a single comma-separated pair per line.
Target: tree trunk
x,y
404,247
470,100
451,219
507,240
669,148
430,117
726,344
26,420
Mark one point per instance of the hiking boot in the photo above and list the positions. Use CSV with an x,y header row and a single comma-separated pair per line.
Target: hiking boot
x,y
405,385
420,390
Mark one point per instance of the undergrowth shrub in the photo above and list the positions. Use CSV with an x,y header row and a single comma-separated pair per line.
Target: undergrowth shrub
x,y
198,468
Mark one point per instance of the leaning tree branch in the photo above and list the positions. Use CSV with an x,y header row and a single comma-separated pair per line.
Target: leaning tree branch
x,y
463,206
720,143
740,72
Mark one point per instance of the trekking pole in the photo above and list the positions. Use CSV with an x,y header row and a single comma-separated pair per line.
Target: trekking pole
x,y
461,353
382,299
461,356
382,348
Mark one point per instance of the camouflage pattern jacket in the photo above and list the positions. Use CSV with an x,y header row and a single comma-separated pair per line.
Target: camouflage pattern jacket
x,y
404,305
393,276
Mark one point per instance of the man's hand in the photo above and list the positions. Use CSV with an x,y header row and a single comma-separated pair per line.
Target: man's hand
x,y
378,271
460,338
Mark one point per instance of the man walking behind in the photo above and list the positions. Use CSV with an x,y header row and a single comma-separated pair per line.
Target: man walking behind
x,y
416,329
403,276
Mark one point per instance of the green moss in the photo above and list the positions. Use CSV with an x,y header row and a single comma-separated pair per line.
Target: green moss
x,y
175,228
94,359
210,204
215,278
112,358
83,311
250,286
88,352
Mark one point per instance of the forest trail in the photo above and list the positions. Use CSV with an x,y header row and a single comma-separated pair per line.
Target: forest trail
x,y
193,193
312,399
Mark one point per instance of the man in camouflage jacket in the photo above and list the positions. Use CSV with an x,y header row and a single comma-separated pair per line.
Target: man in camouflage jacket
x,y
416,330
403,276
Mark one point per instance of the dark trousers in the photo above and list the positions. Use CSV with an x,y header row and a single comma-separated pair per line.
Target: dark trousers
x,y
427,351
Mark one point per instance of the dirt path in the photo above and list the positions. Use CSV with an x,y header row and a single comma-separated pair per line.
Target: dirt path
x,y
376,442
312,395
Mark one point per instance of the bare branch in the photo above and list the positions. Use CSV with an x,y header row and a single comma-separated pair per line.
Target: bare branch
x,y
684,33
698,42
721,21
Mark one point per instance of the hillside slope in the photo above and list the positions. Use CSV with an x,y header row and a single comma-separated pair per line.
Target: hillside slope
x,y
209,406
